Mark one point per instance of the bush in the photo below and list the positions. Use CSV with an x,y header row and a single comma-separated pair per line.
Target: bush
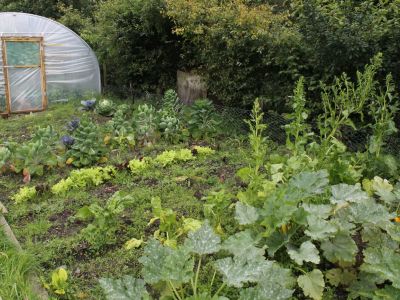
x,y
133,39
233,44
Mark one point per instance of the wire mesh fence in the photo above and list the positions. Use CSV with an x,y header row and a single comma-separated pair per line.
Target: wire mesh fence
x,y
233,120
354,139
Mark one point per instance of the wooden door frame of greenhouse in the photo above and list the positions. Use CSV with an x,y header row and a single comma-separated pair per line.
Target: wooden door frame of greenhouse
x,y
5,39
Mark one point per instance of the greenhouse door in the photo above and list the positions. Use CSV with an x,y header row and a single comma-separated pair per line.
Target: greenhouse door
x,y
24,74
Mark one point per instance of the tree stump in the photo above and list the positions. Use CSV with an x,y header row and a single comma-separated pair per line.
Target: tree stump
x,y
190,87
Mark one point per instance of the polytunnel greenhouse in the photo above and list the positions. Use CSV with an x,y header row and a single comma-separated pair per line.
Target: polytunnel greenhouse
x,y
42,61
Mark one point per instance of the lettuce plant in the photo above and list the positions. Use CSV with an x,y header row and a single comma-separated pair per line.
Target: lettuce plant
x,y
24,194
83,178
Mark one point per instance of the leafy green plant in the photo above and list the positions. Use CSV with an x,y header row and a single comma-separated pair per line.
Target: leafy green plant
x,y
33,157
146,123
5,155
171,156
170,226
258,142
105,220
170,103
47,135
59,282
121,129
202,119
201,150
217,203
173,269
105,107
82,178
345,99
317,222
24,194
298,131
170,127
170,123
382,110
137,166
88,147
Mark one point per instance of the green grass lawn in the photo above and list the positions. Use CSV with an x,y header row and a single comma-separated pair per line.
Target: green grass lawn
x,y
50,233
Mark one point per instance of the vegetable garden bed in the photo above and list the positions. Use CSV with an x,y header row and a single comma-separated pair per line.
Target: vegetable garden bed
x,y
170,204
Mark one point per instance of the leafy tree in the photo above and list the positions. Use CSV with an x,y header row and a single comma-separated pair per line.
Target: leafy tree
x,y
135,42
239,45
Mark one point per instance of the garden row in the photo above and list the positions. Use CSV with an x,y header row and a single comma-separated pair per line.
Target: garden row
x,y
88,144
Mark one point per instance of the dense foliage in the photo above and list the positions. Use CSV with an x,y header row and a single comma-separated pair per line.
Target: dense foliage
x,y
245,49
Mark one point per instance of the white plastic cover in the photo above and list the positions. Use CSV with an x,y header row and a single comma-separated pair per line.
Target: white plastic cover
x,y
71,67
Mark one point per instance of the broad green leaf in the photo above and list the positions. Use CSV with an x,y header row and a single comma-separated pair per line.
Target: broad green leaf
x,y
370,212
126,288
375,237
190,224
243,243
162,263
84,213
275,284
383,262
306,253
312,284
347,193
239,270
387,293
275,168
383,189
393,231
245,214
319,229
60,276
311,183
364,287
340,249
203,241
277,240
323,211
338,276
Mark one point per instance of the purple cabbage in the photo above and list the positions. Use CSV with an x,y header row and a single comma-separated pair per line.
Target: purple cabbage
x,y
72,125
88,104
67,140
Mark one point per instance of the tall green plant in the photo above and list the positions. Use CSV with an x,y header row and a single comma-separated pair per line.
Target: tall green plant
x,y
345,99
88,147
382,110
298,131
256,138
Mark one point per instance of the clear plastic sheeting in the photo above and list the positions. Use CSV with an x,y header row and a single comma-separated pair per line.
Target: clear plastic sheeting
x,y
25,89
70,66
